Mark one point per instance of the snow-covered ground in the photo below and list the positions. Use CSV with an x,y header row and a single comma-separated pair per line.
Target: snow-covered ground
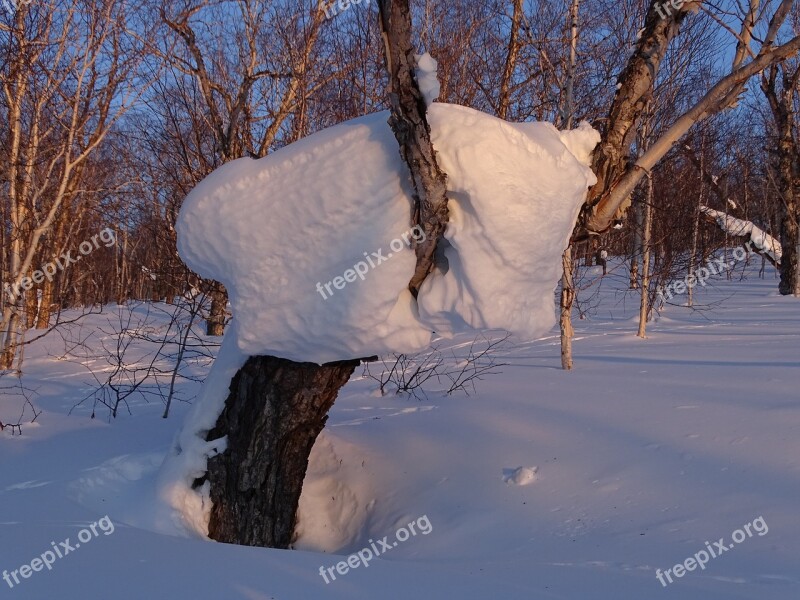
x,y
543,484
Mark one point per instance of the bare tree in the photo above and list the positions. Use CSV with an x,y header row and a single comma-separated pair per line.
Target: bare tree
x,y
568,291
617,174
229,82
410,125
514,46
66,81
255,484
784,99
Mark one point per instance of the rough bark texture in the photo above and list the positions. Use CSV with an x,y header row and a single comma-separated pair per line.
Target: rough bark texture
x,y
790,242
644,305
514,47
611,158
617,174
215,324
410,126
781,101
276,408
565,306
274,413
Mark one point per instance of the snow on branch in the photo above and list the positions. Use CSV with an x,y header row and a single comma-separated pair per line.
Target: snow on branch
x,y
741,228
275,235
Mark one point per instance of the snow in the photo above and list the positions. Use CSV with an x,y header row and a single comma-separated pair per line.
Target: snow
x,y
188,457
279,241
309,241
427,77
520,475
645,451
741,228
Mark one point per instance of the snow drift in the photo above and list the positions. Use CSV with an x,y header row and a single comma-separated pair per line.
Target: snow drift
x,y
275,231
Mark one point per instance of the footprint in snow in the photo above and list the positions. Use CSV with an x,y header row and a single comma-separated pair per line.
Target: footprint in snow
x,y
520,475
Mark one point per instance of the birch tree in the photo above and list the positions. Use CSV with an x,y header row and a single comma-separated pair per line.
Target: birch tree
x,y
617,174
567,259
255,484
71,71
238,71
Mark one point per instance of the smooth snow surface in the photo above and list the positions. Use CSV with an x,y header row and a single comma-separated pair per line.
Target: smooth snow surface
x,y
287,233
647,450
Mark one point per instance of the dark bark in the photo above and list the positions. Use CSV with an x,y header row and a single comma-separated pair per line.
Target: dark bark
x,y
790,243
274,413
31,305
790,233
276,407
409,123
787,166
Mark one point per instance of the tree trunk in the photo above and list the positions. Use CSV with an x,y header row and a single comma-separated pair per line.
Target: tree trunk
x,y
9,348
276,407
514,47
567,260
782,103
696,229
644,306
567,299
45,305
790,261
790,213
409,122
215,324
31,307
636,246
274,412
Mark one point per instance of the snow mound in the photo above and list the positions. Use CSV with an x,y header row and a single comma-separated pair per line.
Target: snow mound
x,y
520,475
313,241
336,499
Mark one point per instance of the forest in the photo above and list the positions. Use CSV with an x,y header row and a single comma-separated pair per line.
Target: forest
x,y
192,193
